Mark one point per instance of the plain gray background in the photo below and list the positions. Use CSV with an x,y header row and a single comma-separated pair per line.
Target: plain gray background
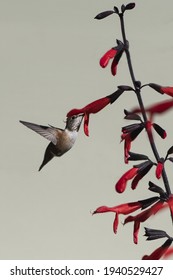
x,y
49,64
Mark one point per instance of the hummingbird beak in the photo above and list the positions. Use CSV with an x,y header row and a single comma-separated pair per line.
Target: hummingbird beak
x,y
81,116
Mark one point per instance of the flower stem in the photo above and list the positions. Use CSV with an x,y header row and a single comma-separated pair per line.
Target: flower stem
x,y
140,101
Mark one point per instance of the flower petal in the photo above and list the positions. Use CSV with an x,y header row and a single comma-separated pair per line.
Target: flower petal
x,y
116,60
122,182
86,123
136,231
75,112
142,217
148,126
159,252
157,108
107,56
103,209
127,146
159,169
160,107
96,106
142,171
167,90
124,209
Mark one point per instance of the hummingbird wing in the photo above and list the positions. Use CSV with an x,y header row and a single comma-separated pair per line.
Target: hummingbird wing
x,y
50,133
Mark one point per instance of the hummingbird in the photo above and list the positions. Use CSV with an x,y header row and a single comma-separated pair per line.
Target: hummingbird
x,y
61,140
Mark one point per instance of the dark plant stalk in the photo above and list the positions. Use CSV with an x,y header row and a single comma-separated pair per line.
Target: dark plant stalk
x,y
140,101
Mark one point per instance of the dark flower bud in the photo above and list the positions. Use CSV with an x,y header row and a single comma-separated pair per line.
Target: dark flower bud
x,y
143,169
170,151
153,234
130,6
167,90
138,84
156,87
120,50
131,116
116,10
155,188
104,14
125,88
160,130
123,8
134,156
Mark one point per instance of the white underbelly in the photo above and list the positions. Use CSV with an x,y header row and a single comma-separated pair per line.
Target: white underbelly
x,y
70,140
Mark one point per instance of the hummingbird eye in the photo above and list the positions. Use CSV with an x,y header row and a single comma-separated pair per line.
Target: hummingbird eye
x,y
73,117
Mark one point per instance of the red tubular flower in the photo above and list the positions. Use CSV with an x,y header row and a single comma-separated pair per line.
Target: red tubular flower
x,y
144,168
162,251
107,56
115,54
162,133
149,125
159,108
130,132
127,147
115,62
137,172
122,182
142,217
159,169
167,90
124,209
161,89
94,107
86,122
91,108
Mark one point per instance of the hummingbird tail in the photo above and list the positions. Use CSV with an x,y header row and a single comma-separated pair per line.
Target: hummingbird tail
x,y
47,157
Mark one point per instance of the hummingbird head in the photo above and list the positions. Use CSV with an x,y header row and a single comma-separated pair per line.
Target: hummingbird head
x,y
73,123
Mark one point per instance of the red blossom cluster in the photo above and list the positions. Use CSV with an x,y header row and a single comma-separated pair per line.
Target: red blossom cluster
x,y
153,205
143,118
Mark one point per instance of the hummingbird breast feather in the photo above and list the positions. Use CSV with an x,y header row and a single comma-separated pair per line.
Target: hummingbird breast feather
x,y
66,141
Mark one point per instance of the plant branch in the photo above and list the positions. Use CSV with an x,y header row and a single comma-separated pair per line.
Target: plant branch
x,y
140,101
